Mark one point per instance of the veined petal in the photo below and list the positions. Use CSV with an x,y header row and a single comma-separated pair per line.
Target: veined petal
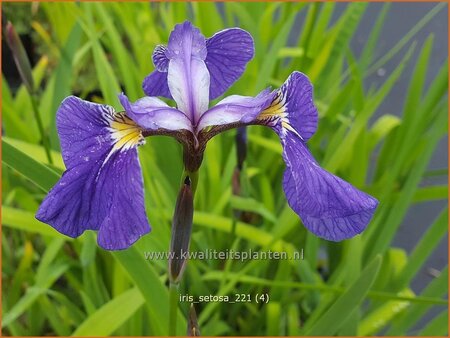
x,y
156,84
236,108
160,59
293,107
188,77
186,41
189,86
152,113
329,207
229,51
103,177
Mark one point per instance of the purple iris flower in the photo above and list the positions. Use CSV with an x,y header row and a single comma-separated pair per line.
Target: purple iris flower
x,y
102,188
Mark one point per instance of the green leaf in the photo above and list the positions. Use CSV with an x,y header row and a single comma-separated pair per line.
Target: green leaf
x,y
153,290
431,193
268,66
37,151
428,242
63,79
108,82
23,220
437,288
31,295
436,327
334,317
383,315
382,127
121,57
406,38
250,204
107,319
273,315
44,177
369,48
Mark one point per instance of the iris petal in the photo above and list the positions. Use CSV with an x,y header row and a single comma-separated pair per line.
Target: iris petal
x,y
155,84
227,54
103,177
189,85
188,77
229,51
160,59
236,108
152,113
329,207
293,107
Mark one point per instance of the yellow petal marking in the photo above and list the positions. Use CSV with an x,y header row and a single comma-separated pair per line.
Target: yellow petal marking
x,y
277,112
125,132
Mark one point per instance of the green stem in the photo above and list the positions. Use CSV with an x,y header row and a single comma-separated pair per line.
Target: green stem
x,y
173,308
37,116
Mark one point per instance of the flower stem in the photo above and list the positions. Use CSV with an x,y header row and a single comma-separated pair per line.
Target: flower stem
x,y
44,138
173,308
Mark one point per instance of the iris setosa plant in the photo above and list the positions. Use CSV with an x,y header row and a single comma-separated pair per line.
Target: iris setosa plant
x,y
102,187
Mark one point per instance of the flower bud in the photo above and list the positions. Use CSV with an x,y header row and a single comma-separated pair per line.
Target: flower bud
x,y
192,329
181,231
20,57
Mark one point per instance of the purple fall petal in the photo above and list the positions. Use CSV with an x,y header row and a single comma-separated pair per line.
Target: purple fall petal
x,y
152,113
302,115
328,206
103,177
126,220
236,108
229,51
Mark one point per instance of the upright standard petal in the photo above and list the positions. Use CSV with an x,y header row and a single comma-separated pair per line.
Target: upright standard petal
x,y
236,109
155,84
293,107
152,113
160,59
328,206
102,188
188,77
227,54
229,51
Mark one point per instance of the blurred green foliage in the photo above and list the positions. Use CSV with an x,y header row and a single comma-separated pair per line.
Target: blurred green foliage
x,y
53,285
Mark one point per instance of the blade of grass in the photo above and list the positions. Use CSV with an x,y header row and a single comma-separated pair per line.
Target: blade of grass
x,y
428,242
63,79
107,319
437,288
436,327
39,174
23,220
330,322
406,38
153,290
